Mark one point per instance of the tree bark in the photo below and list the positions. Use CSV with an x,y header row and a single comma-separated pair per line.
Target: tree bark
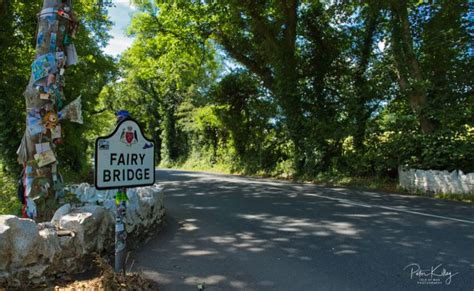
x,y
3,5
410,75
287,91
276,65
361,113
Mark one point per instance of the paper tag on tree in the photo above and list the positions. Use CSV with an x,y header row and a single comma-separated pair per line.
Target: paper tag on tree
x,y
45,158
56,132
42,147
34,123
44,96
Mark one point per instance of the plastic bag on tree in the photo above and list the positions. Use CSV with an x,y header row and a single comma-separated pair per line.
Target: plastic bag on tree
x,y
72,111
30,209
21,151
71,53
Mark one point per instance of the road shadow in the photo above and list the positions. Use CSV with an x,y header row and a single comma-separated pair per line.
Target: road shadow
x,y
235,233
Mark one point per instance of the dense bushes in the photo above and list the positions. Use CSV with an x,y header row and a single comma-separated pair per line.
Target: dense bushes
x,y
238,132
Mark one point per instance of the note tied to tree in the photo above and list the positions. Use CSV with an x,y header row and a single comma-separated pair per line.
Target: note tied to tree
x,y
125,158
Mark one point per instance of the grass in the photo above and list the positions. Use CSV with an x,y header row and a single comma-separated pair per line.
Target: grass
x,y
8,197
456,197
372,183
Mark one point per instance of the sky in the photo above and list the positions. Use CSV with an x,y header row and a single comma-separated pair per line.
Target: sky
x,y
120,15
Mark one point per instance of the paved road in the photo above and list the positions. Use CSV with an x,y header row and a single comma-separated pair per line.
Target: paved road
x,y
235,233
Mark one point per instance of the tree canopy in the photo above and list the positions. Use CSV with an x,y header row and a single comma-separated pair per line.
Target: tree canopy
x,y
293,88
308,87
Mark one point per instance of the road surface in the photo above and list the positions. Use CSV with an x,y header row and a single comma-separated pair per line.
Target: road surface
x,y
236,233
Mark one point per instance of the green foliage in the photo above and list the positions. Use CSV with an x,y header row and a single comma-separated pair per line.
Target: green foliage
x,y
393,141
339,89
17,38
291,88
17,30
86,79
159,74
457,197
10,203
235,132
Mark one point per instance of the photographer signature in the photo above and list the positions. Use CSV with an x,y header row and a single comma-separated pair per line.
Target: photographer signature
x,y
433,272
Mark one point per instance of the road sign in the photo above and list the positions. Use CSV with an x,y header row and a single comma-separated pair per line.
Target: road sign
x,y
125,158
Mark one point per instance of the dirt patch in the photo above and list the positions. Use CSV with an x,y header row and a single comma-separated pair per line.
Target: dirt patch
x,y
130,282
101,278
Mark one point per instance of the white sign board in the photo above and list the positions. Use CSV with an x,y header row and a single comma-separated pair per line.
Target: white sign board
x,y
125,158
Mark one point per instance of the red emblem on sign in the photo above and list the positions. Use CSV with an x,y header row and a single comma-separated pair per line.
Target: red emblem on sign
x,y
129,136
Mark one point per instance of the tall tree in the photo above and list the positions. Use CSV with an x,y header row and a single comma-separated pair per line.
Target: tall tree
x,y
411,78
160,71
18,43
362,88
260,35
44,100
337,94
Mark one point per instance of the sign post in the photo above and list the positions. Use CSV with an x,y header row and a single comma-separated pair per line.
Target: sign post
x,y
123,159
120,232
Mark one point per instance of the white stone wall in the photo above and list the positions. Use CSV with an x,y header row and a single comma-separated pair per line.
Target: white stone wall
x,y
32,253
436,182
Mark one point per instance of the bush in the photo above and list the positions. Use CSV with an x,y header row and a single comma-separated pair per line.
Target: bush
x,y
10,203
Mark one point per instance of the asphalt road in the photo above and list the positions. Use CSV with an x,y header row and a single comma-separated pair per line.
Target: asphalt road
x,y
236,233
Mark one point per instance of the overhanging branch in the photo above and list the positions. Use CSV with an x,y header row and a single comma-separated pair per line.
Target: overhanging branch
x,y
263,72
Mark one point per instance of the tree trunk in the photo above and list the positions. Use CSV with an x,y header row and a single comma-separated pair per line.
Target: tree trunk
x,y
3,5
286,91
277,69
360,111
44,98
410,76
287,85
